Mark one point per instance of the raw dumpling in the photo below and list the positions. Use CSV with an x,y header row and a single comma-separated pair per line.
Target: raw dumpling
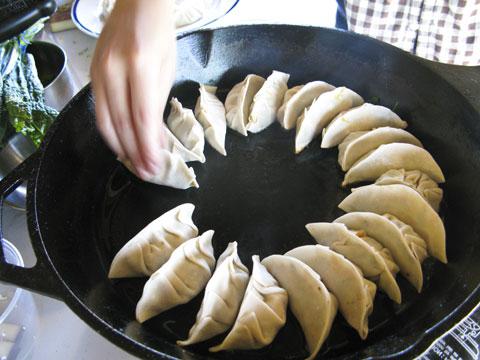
x,y
301,98
407,205
415,242
180,279
288,95
311,303
402,242
211,114
174,146
418,181
393,156
365,117
371,257
173,173
239,100
354,293
222,299
262,314
186,128
267,101
321,112
360,143
152,246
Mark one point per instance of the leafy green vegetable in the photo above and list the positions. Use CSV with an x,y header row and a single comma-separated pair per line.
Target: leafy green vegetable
x,y
22,103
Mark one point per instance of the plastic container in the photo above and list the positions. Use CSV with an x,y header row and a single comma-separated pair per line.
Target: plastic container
x,y
18,314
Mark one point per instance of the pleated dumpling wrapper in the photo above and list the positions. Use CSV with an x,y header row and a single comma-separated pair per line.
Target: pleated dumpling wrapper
x,y
371,257
323,109
359,143
267,101
147,251
365,117
174,172
310,301
393,156
354,293
173,145
222,299
418,181
186,128
408,249
408,206
289,112
262,314
210,112
239,100
180,279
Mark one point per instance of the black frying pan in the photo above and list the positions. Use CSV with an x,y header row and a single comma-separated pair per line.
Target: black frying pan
x,y
83,205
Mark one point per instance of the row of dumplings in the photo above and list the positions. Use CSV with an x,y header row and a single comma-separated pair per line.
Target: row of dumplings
x,y
355,253
373,146
252,306
371,138
186,131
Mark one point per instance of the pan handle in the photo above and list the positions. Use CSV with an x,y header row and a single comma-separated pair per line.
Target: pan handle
x,y
41,278
466,79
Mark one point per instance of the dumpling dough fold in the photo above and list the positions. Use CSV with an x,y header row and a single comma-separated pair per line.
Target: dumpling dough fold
x,y
359,143
354,293
365,117
267,101
301,97
147,251
174,172
222,299
211,114
323,109
408,206
174,146
239,100
403,243
262,314
393,156
186,128
311,303
180,279
371,257
418,181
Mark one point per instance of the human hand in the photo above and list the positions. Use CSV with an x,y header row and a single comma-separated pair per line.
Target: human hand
x,y
132,71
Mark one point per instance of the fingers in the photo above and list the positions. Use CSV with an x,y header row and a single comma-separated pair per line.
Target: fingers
x,y
147,113
118,99
148,99
104,122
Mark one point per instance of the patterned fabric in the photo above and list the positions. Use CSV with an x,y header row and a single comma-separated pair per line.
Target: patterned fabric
x,y
440,30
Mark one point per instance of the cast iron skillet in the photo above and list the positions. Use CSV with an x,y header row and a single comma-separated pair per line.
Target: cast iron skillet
x,y
83,206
